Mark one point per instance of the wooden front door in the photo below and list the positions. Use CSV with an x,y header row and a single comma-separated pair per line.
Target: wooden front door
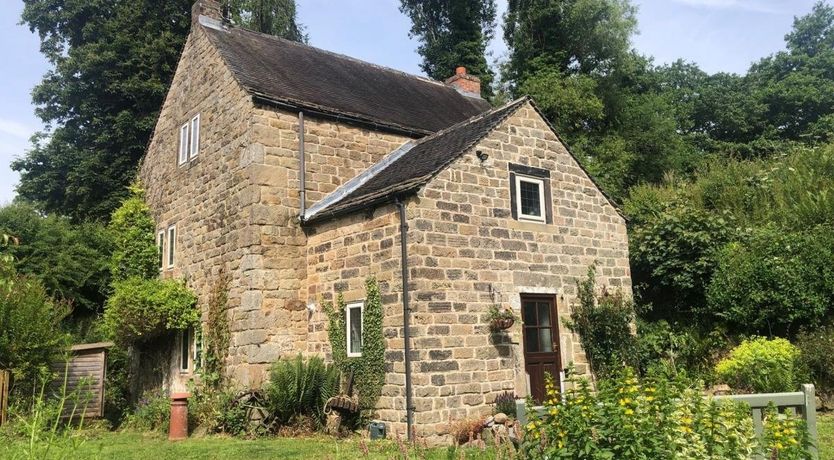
x,y
541,341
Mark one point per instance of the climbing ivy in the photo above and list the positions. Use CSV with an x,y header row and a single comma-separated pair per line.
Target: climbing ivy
x,y
216,335
368,369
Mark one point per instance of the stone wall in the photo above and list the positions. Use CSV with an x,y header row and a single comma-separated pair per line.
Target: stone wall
x,y
467,253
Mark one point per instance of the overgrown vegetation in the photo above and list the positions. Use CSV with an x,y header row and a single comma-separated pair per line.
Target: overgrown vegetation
x,y
657,419
763,366
604,323
299,388
368,370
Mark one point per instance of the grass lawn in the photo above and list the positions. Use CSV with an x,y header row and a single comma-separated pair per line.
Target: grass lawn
x,y
825,427
129,446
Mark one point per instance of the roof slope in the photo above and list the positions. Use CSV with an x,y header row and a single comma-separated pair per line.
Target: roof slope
x,y
411,166
288,73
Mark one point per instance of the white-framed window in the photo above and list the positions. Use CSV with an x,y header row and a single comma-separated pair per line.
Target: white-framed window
x,y
353,323
172,243
195,136
160,246
186,349
183,151
529,198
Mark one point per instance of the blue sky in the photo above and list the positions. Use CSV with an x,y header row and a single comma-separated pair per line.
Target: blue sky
x,y
719,35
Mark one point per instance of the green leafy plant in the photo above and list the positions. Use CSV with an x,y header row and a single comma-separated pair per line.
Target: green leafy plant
x,y
369,369
604,326
763,366
629,419
132,230
785,435
152,413
143,309
500,318
216,335
817,351
217,410
299,388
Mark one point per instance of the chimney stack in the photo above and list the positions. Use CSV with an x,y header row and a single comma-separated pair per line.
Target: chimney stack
x,y
208,8
468,85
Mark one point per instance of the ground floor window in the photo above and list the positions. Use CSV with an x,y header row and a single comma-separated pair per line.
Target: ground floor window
x,y
186,347
353,313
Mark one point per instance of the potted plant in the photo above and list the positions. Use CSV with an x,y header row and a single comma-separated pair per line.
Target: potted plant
x,y
500,319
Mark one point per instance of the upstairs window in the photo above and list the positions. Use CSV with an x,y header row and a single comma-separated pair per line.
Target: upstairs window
x,y
189,146
183,152
172,242
353,316
195,136
530,194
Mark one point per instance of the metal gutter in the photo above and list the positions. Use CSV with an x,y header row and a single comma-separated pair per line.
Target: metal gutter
x,y
302,168
409,404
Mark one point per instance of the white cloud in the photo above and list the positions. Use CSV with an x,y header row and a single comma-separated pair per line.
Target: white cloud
x,y
759,6
15,129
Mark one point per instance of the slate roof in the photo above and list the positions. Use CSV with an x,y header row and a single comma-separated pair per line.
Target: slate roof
x,y
286,73
411,166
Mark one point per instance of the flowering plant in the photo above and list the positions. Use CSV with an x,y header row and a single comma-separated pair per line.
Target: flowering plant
x,y
657,419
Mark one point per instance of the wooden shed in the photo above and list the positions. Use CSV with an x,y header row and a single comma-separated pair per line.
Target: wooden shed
x,y
85,375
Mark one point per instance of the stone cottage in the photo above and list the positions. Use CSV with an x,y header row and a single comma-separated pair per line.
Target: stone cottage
x,y
294,173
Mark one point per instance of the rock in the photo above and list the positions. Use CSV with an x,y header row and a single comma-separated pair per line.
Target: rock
x,y
500,418
489,421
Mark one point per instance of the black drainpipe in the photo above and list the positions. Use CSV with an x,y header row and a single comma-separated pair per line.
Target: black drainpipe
x,y
409,406
302,169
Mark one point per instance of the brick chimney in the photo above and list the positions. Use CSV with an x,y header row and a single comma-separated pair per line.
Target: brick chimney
x,y
208,8
468,85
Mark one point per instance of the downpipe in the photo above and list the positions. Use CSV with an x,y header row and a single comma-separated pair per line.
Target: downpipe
x,y
409,404
302,169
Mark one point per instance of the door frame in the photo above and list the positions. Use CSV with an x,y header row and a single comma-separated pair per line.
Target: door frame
x,y
556,337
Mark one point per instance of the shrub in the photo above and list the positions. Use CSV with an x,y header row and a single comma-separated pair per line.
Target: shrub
x,y
152,413
217,411
299,388
785,436
132,230
679,350
505,403
30,333
817,352
604,327
143,309
657,419
774,280
466,429
762,366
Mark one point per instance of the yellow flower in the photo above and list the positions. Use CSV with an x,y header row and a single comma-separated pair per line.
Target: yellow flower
x,y
649,398
779,445
531,426
629,412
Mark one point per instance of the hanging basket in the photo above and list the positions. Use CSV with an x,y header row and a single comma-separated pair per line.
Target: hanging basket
x,y
501,324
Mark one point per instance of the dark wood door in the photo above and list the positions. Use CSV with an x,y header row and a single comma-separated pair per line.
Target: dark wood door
x,y
541,341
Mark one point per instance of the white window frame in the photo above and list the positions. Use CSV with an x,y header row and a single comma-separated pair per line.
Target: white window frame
x,y
182,153
172,246
531,180
160,244
361,305
194,145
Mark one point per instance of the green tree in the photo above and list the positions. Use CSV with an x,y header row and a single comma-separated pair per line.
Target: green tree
x,y
112,64
273,17
132,231
70,260
451,34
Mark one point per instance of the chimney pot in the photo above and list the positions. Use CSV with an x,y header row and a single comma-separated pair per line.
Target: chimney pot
x,y
468,85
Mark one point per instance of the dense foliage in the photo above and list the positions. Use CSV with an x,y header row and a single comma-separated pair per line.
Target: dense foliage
x,y
133,232
300,387
273,17
656,419
453,34
816,345
30,333
69,260
761,365
603,323
140,310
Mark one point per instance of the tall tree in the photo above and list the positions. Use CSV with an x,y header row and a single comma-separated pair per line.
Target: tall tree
x,y
113,61
274,17
453,33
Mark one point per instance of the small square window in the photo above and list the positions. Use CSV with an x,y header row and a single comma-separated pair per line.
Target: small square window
x,y
183,151
353,315
529,199
172,242
160,245
195,136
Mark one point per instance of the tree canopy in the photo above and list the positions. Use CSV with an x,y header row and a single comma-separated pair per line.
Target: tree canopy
x,y
453,34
